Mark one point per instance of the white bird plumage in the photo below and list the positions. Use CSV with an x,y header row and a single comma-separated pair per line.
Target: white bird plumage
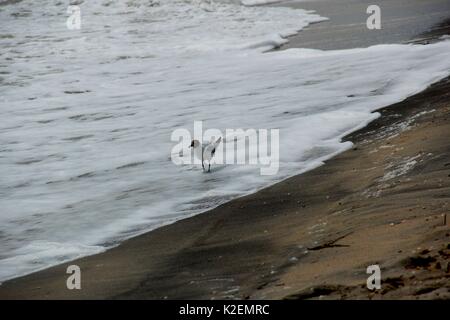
x,y
206,151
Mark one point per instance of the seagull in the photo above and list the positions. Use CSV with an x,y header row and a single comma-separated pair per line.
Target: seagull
x,y
205,152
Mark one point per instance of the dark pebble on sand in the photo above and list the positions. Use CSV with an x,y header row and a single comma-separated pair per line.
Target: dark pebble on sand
x,y
419,262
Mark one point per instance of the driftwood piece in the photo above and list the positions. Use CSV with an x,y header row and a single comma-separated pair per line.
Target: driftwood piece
x,y
331,243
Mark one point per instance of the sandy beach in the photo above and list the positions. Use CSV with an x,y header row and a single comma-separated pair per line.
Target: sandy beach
x,y
386,201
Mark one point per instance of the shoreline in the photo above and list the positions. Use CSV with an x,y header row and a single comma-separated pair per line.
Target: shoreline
x,y
309,236
256,231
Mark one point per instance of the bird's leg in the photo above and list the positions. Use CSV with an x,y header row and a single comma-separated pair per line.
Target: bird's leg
x,y
203,162
209,167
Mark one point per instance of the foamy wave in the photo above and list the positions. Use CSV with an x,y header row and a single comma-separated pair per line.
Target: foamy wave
x,y
42,254
258,2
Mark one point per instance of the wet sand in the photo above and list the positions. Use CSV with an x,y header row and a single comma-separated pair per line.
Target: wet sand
x,y
401,20
385,202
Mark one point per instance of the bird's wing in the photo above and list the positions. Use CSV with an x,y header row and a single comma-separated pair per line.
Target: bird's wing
x,y
210,149
216,143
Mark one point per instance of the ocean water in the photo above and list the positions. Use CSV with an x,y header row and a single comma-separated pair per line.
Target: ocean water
x,y
87,115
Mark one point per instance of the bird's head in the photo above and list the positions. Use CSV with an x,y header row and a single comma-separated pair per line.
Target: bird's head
x,y
194,144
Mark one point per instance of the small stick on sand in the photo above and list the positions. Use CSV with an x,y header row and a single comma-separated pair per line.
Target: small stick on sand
x,y
332,243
